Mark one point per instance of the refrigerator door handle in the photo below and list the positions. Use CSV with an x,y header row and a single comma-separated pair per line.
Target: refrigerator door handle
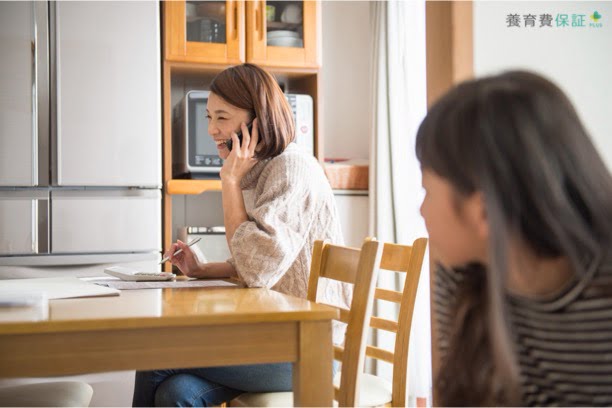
x,y
53,93
40,226
40,101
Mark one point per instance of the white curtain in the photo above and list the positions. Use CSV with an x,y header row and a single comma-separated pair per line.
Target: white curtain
x,y
399,104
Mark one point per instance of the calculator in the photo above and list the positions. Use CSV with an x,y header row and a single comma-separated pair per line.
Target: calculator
x,y
130,274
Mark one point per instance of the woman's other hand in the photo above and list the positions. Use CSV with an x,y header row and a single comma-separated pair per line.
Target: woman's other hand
x,y
240,159
186,261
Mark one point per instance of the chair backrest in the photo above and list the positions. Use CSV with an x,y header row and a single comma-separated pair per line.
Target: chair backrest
x,y
359,267
409,260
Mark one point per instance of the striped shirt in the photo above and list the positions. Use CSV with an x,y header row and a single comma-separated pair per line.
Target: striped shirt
x,y
564,343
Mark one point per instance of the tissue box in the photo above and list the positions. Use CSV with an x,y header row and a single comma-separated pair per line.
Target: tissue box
x,y
347,174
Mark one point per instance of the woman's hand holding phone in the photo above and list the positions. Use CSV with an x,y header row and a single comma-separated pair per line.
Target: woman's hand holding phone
x,y
230,142
240,159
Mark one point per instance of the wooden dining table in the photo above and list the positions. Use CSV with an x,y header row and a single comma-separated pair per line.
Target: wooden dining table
x,y
177,328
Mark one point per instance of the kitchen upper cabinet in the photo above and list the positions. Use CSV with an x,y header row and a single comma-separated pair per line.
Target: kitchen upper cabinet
x,y
204,31
284,34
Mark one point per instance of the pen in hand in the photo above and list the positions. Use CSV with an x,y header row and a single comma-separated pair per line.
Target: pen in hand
x,y
180,250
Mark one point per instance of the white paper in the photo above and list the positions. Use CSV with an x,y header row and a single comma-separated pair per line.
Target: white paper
x,y
56,288
125,285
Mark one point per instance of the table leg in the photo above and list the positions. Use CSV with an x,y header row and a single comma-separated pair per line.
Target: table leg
x,y
312,373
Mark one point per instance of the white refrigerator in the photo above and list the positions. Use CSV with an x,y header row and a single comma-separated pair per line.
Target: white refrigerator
x,y
80,137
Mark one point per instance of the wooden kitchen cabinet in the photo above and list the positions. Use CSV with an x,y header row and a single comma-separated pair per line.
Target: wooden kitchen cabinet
x,y
271,34
209,32
264,37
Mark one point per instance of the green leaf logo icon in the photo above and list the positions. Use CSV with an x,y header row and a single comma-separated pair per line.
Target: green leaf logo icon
x,y
595,16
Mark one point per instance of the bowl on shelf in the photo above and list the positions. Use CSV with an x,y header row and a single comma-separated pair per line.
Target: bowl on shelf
x,y
286,42
284,38
282,33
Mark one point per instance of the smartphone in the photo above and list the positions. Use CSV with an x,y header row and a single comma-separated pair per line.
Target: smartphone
x,y
230,142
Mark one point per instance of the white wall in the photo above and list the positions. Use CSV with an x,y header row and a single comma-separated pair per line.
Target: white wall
x,y
578,59
346,78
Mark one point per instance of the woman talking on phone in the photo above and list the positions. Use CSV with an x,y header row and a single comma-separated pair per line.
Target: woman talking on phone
x,y
518,206
276,203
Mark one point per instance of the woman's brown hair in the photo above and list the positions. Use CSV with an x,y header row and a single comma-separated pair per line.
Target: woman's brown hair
x,y
251,88
517,140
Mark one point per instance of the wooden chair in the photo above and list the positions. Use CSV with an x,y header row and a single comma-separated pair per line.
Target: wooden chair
x,y
373,391
49,394
377,391
350,265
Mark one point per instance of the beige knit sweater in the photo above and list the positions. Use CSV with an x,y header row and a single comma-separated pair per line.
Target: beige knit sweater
x,y
290,204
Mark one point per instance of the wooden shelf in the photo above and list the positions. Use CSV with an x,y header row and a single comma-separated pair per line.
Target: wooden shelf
x,y
213,69
192,186
283,26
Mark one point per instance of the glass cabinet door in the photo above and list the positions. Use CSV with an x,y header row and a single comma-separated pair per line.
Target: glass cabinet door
x,y
206,21
284,33
204,31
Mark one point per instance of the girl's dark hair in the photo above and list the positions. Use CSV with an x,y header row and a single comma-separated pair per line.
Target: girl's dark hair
x,y
251,88
517,140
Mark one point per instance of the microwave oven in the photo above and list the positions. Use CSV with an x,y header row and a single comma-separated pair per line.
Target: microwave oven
x,y
195,152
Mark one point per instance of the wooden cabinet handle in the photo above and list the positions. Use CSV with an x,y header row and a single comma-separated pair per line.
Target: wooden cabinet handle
x,y
257,28
235,20
262,17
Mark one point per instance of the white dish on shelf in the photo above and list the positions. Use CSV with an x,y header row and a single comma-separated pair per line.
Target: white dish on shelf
x,y
286,42
282,34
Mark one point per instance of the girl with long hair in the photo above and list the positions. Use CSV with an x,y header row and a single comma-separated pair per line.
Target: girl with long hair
x,y
518,207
